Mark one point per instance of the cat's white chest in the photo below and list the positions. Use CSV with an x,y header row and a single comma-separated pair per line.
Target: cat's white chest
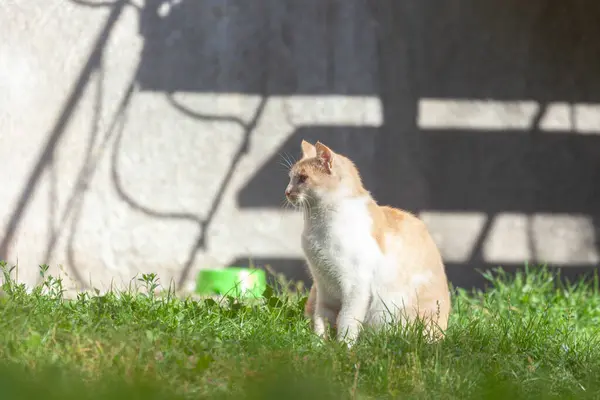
x,y
339,245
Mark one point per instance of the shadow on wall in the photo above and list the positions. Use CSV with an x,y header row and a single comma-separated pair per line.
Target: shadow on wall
x,y
68,220
427,63
261,47
540,157
436,61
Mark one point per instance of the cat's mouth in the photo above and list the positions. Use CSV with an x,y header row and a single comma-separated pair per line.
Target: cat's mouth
x,y
296,199
292,198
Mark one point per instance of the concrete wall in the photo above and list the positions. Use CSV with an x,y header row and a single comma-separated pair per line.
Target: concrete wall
x,y
147,136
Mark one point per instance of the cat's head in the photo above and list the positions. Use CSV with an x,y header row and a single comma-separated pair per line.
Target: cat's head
x,y
322,176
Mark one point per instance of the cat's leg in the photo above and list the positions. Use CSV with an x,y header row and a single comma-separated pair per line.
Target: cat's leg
x,y
323,318
309,308
324,314
389,309
353,313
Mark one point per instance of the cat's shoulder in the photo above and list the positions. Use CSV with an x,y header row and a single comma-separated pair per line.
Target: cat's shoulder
x,y
398,218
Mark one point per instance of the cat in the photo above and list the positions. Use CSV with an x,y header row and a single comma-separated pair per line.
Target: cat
x,y
370,264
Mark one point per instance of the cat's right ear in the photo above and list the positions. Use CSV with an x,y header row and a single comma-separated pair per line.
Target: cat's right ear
x,y
308,150
324,155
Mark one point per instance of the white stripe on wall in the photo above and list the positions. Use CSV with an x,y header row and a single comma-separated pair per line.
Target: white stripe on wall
x,y
512,116
563,239
295,110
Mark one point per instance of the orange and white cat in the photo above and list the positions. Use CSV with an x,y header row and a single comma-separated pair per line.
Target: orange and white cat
x,y
368,262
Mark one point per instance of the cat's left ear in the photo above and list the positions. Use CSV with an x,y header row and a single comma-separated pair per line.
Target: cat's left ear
x,y
308,150
325,155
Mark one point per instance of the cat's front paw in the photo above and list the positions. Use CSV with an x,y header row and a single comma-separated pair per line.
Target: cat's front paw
x,y
349,338
320,329
348,342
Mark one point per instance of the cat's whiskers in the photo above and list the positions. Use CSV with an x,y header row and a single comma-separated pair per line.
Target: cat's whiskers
x,y
302,205
285,205
291,159
287,161
306,204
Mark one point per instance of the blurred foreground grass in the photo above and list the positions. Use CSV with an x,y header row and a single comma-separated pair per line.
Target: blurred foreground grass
x,y
526,337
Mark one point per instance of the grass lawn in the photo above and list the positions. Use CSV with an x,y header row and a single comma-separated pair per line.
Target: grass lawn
x,y
526,337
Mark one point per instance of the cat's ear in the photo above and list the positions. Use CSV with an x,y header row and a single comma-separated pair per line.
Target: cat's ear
x,y
308,150
325,155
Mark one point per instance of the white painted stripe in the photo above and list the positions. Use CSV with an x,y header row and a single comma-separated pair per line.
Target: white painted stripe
x,y
297,110
564,239
513,116
455,233
334,110
476,114
586,118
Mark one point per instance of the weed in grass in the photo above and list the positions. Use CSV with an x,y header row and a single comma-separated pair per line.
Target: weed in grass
x,y
527,337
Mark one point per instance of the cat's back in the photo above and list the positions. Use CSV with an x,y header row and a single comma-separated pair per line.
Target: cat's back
x,y
406,238
405,225
415,263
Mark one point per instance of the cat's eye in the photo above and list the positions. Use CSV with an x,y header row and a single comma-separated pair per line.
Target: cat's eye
x,y
302,178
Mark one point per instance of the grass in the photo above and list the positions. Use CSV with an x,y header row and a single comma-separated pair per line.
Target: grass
x,y
527,337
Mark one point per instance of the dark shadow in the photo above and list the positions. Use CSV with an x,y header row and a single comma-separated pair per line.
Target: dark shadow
x,y
467,170
476,171
293,269
295,47
472,278
473,51
508,50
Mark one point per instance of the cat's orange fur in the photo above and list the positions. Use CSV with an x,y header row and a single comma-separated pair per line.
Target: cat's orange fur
x,y
403,260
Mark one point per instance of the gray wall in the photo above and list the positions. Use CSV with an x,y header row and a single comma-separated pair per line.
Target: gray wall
x,y
147,136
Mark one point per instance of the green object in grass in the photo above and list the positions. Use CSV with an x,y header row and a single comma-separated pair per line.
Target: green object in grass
x,y
233,281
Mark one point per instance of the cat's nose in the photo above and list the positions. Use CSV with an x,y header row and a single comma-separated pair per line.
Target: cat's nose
x,y
288,192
